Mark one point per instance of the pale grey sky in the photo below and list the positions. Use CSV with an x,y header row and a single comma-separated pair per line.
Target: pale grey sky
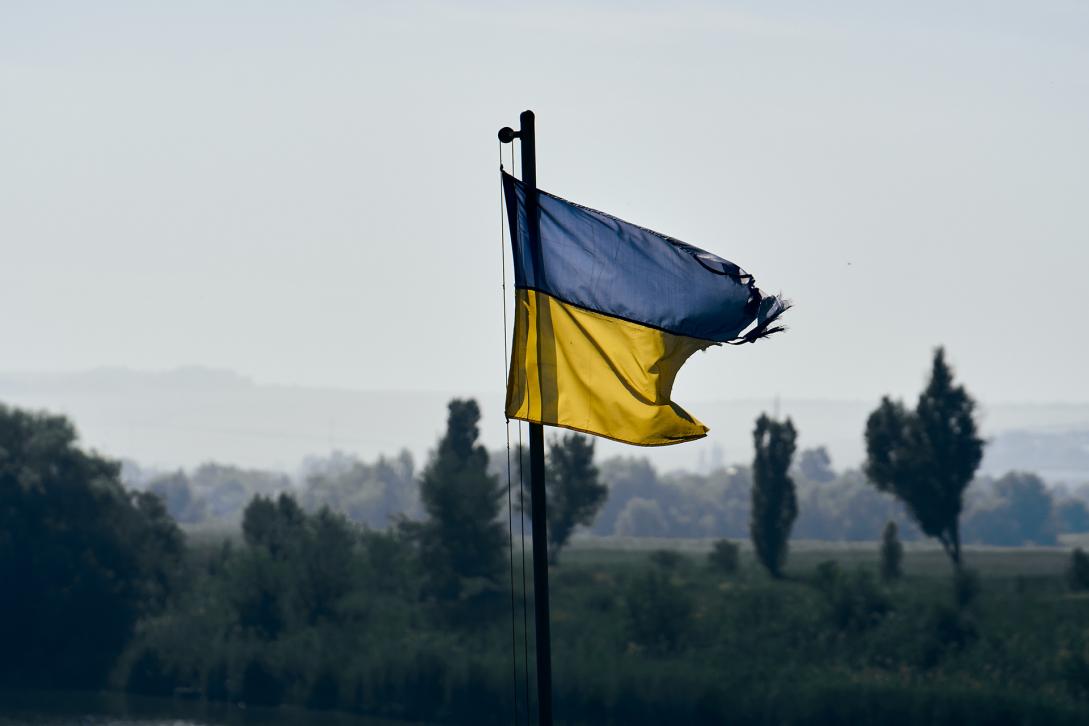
x,y
307,192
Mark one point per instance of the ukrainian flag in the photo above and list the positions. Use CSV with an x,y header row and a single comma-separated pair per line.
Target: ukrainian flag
x,y
607,312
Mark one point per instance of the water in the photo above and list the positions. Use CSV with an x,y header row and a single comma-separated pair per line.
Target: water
x,y
24,708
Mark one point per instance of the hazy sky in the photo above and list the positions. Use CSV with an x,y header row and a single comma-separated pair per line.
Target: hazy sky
x,y
307,192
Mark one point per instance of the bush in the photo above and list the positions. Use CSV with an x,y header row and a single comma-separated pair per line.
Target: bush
x,y
324,692
892,553
425,684
725,557
947,629
261,686
855,602
965,587
826,576
667,559
658,612
217,682
1077,575
149,676
1074,668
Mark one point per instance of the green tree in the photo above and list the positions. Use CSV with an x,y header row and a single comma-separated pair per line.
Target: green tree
x,y
462,538
329,562
81,559
927,457
275,524
297,569
177,495
642,518
257,591
370,494
574,492
774,502
816,465
1072,515
227,489
892,553
1030,505
1018,510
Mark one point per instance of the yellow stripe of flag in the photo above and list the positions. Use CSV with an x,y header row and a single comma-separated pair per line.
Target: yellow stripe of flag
x,y
591,372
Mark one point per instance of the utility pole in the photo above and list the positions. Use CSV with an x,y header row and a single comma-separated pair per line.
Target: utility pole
x,y
538,501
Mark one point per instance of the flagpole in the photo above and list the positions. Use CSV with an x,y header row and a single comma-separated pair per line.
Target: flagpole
x,y
538,500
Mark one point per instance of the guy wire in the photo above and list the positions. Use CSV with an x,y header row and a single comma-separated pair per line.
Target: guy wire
x,y
522,529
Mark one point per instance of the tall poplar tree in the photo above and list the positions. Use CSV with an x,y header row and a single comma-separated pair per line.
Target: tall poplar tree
x,y
774,502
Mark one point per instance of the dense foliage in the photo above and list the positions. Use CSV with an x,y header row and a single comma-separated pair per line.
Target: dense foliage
x,y
81,559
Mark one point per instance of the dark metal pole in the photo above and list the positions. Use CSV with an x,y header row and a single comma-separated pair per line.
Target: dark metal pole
x,y
538,500
537,462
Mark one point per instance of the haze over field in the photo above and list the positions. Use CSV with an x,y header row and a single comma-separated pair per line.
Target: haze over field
x,y
184,417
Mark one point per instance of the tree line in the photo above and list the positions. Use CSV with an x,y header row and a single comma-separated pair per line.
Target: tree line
x,y
105,581
925,457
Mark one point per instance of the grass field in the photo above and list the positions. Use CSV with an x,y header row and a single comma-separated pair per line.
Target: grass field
x,y
921,559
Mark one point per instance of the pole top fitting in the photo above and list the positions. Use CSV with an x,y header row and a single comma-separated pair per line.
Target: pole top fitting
x,y
507,135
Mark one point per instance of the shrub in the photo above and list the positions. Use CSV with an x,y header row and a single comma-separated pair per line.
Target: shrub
x,y
826,576
855,602
217,682
965,587
948,629
667,559
149,676
1074,668
658,612
724,556
324,692
425,684
1077,575
892,553
260,685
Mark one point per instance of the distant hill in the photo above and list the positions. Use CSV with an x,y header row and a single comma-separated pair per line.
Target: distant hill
x,y
182,417
186,416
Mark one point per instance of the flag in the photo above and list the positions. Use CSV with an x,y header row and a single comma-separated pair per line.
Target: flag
x,y
607,312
